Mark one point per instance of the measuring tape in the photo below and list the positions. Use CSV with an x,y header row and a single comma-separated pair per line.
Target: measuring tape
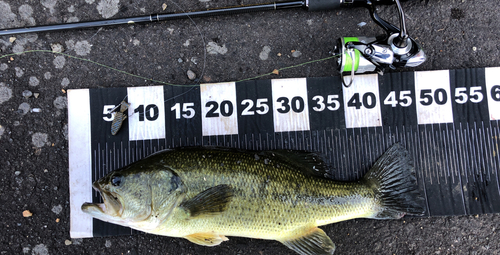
x,y
448,120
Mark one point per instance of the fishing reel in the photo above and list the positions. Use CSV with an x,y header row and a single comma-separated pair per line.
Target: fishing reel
x,y
395,49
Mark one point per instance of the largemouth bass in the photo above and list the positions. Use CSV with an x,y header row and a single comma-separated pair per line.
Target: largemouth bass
x,y
206,194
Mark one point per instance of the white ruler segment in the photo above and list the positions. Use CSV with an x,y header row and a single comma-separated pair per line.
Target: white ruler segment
x,y
290,105
493,88
219,109
362,103
432,90
80,158
146,114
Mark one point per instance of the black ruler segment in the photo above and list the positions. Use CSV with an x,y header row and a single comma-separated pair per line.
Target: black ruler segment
x,y
445,119
469,94
255,106
327,104
108,151
397,90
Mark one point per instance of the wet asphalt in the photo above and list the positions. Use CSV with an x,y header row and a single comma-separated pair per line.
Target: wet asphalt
x,y
33,108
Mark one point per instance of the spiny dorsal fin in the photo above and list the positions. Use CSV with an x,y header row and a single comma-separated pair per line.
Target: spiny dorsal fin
x,y
308,162
312,241
206,239
209,202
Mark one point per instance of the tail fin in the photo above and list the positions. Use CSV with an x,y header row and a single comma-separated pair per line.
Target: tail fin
x,y
393,179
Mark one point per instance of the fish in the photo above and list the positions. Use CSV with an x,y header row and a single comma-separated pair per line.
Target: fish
x,y
207,194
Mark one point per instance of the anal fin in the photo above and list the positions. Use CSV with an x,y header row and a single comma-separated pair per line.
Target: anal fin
x,y
206,239
310,241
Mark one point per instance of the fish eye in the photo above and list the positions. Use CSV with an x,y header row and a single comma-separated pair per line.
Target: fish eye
x,y
116,180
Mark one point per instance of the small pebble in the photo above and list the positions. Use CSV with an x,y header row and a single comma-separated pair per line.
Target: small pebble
x,y
57,220
191,75
296,54
179,60
19,71
107,244
24,108
40,249
27,213
39,139
361,24
264,54
36,110
27,94
57,209
34,81
68,242
61,102
59,62
65,82
36,95
17,172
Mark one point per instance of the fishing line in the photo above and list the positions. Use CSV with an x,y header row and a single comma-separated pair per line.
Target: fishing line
x,y
192,86
202,38
93,62
289,67
163,82
204,60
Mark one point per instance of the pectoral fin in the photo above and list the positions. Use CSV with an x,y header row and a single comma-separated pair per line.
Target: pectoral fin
x,y
209,202
206,239
310,242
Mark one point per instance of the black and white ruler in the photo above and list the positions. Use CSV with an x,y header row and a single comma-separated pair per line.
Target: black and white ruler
x,y
448,120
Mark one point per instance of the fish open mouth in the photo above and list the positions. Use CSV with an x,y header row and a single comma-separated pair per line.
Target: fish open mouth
x,y
111,203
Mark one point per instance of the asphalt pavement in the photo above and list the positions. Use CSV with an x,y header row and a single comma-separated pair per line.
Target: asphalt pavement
x,y
34,189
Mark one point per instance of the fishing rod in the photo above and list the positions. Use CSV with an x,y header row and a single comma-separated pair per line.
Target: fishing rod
x,y
310,5
358,55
